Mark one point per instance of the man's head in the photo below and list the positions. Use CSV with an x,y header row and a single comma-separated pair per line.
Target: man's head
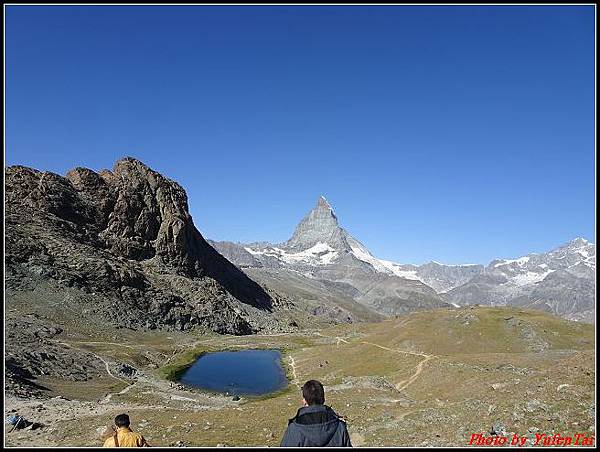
x,y
122,420
313,393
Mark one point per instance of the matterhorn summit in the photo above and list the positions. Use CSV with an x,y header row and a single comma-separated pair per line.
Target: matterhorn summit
x,y
321,250
319,226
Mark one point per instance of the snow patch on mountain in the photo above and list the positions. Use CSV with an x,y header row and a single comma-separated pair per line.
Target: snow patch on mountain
x,y
529,277
365,256
520,261
319,254
400,270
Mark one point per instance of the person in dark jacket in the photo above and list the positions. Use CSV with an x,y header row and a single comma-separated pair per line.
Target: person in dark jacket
x,y
315,424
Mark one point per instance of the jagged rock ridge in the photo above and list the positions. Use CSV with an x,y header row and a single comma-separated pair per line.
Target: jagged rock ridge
x,y
126,238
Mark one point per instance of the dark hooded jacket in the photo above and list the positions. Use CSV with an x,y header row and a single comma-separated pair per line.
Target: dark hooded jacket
x,y
316,426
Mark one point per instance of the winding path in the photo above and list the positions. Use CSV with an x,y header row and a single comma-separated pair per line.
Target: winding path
x,y
108,396
106,363
404,383
163,388
292,363
97,342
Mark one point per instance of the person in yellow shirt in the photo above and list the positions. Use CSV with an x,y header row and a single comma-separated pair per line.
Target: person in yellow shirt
x,y
124,436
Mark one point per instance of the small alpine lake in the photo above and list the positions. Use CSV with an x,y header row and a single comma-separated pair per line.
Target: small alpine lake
x,y
250,372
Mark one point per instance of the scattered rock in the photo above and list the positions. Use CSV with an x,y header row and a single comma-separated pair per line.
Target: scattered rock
x,y
534,405
498,429
126,370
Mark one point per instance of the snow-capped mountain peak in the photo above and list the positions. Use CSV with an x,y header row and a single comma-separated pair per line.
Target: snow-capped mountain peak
x,y
320,225
322,203
561,280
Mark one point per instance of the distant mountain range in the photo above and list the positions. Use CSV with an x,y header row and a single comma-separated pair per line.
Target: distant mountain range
x,y
125,243
561,281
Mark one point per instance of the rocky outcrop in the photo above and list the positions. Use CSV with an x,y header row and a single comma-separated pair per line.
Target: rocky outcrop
x,y
32,350
125,234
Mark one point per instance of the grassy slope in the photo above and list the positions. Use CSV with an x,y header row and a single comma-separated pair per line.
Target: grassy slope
x,y
525,355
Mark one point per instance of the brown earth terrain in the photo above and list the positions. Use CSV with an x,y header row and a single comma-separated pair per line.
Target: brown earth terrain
x,y
430,378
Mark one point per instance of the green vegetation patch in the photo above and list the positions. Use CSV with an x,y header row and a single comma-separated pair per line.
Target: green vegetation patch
x,y
174,371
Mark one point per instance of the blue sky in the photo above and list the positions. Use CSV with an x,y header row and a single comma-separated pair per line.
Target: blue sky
x,y
457,134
